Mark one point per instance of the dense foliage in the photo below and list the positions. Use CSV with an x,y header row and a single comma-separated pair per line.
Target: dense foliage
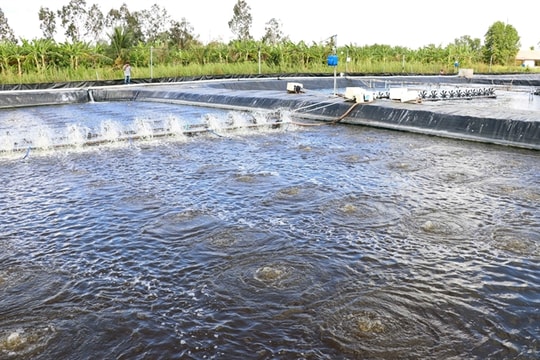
x,y
97,44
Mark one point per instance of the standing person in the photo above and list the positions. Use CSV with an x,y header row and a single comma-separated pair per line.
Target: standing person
x,y
127,73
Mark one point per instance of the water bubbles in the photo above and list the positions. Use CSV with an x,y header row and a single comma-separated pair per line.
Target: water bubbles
x,y
289,191
440,225
23,342
271,274
428,226
14,341
245,178
223,240
524,242
348,208
368,323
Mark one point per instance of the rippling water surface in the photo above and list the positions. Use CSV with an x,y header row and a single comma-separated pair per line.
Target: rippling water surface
x,y
323,242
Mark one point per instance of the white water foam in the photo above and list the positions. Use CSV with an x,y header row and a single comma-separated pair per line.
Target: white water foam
x,y
30,132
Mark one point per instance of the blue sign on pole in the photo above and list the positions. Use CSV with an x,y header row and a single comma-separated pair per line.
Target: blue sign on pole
x,y
332,60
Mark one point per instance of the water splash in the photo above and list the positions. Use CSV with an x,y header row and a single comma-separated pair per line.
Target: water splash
x,y
48,128
77,134
175,125
109,130
142,128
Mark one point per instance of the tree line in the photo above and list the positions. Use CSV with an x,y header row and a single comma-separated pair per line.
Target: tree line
x,y
95,39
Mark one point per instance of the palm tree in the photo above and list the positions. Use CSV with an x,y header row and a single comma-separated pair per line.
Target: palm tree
x,y
121,42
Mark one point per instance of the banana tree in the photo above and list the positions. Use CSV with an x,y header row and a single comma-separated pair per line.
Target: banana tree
x,y
218,52
40,50
6,49
18,54
75,52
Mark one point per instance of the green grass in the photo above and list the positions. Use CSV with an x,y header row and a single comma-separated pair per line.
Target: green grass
x,y
248,69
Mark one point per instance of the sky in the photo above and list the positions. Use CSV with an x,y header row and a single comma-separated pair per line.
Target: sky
x,y
411,24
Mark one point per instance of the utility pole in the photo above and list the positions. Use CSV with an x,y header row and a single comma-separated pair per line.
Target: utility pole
x,y
335,66
151,63
259,60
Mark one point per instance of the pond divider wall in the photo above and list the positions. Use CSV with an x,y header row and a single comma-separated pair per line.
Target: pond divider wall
x,y
11,99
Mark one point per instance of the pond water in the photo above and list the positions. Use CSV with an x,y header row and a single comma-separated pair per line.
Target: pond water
x,y
297,242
